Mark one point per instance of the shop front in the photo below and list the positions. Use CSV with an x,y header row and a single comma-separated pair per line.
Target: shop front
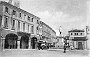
x,y
79,43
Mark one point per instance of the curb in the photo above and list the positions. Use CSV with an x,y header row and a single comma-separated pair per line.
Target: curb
x,y
18,49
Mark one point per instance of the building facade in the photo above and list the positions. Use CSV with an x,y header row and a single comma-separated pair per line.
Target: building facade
x,y
18,28
47,33
77,39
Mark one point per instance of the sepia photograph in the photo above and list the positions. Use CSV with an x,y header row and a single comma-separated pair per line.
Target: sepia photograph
x,y
44,28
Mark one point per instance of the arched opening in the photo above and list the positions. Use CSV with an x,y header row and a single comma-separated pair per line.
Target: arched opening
x,y
11,41
33,42
24,42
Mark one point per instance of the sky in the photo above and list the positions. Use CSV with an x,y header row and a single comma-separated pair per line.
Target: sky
x,y
69,14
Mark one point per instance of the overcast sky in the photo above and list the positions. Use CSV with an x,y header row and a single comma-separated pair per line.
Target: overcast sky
x,y
69,14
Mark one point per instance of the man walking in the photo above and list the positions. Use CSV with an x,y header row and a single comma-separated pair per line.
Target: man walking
x,y
64,48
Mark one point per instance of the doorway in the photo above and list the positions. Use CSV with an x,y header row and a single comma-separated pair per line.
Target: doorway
x,y
80,46
33,42
11,41
24,42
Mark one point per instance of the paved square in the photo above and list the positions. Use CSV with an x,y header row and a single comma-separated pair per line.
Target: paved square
x,y
43,53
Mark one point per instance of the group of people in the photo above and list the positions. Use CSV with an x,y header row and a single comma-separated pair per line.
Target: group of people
x,y
64,48
70,47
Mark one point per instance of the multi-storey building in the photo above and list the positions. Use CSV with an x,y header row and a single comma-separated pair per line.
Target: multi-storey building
x,y
77,39
18,28
47,33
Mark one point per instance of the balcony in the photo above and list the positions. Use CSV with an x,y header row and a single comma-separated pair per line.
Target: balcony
x,y
13,28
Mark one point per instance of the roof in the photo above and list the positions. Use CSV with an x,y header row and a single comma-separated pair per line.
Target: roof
x,y
76,30
47,26
18,9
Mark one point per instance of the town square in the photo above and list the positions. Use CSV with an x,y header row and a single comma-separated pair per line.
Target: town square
x,y
44,28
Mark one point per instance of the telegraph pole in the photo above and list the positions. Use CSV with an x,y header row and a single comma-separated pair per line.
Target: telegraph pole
x,y
86,36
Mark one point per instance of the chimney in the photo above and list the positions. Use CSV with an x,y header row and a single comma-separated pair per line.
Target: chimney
x,y
10,2
17,4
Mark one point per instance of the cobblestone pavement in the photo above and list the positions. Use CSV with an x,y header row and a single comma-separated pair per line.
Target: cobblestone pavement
x,y
44,53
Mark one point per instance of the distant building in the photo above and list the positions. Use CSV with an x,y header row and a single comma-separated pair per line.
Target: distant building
x,y
18,28
77,39
47,33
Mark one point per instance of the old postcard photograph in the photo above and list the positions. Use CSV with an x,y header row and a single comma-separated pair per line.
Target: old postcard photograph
x,y
44,28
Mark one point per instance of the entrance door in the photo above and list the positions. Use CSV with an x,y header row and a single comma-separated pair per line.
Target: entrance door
x,y
80,46
33,42
24,42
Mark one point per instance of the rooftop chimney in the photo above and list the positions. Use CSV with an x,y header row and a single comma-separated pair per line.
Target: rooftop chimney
x,y
10,1
17,4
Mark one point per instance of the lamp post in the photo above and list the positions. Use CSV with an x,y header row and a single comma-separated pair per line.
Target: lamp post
x,y
88,37
87,34
2,39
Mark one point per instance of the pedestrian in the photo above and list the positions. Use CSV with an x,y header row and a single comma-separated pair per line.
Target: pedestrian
x,y
38,46
64,48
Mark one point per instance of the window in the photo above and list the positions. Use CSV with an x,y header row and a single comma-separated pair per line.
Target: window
x,y
37,22
71,34
31,19
13,24
6,22
6,9
80,33
18,25
24,17
23,26
32,29
37,28
28,18
75,34
0,20
28,27
14,12
19,15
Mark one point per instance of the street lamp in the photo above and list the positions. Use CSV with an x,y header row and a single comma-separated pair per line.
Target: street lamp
x,y
2,39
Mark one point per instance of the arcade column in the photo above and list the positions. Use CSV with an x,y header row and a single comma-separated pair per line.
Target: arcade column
x,y
18,44
29,44
2,42
88,43
88,37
